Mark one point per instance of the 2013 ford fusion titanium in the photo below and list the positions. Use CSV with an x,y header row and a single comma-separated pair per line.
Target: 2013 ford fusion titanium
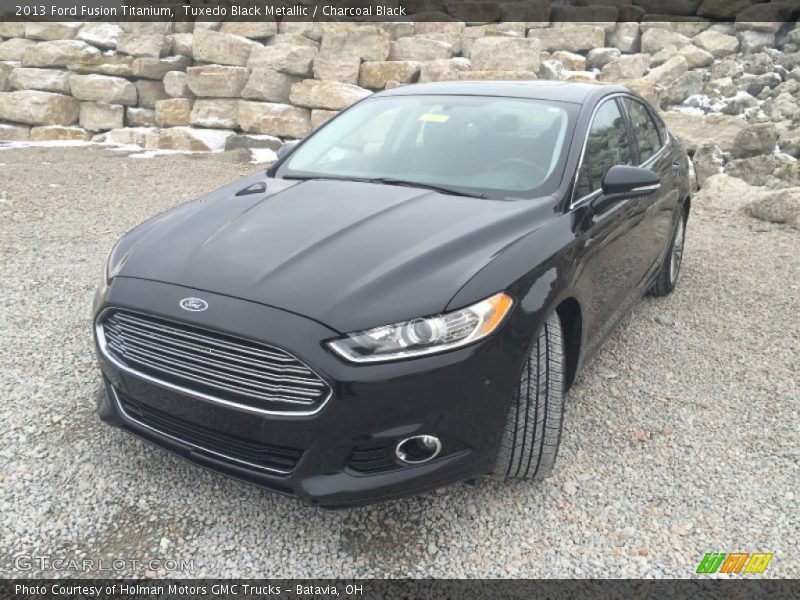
x,y
402,300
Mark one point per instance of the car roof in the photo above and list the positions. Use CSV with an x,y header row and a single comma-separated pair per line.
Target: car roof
x,y
559,91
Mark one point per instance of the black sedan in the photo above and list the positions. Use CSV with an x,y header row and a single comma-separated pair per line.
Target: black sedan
x,y
402,300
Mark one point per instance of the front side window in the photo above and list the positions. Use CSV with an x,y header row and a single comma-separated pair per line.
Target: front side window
x,y
644,129
662,129
607,144
493,145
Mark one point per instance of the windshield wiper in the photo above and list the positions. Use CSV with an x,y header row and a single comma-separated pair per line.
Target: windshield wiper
x,y
390,181
426,186
315,177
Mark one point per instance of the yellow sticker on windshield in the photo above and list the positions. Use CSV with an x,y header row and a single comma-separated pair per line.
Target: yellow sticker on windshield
x,y
434,118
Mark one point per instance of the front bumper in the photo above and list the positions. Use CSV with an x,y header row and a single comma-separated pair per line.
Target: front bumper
x,y
462,397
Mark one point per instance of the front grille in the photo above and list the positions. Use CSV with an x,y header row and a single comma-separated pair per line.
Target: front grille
x,y
213,364
233,449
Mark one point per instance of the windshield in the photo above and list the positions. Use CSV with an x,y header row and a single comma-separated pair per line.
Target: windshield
x,y
494,146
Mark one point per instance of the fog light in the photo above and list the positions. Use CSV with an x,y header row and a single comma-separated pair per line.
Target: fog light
x,y
418,449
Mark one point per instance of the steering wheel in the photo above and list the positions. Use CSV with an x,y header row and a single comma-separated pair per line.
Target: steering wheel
x,y
525,164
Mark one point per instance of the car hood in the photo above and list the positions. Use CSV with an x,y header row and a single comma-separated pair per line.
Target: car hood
x,y
350,255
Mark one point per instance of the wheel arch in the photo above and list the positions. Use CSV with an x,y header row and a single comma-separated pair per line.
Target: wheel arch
x,y
569,313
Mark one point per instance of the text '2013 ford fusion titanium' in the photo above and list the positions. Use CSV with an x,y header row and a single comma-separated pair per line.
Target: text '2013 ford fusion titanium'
x,y
402,300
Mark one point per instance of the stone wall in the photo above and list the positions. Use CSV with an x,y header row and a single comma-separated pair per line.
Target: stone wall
x,y
206,86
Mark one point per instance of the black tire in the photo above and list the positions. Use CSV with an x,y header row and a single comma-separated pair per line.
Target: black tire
x,y
530,441
671,267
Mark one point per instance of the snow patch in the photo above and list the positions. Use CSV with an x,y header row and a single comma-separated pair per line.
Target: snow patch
x,y
213,138
114,147
686,110
261,136
132,139
48,144
155,153
262,155
698,101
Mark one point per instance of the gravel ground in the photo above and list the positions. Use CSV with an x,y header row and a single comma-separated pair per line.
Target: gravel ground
x,y
681,437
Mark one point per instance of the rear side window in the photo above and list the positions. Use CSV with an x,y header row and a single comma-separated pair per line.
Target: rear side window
x,y
607,144
644,129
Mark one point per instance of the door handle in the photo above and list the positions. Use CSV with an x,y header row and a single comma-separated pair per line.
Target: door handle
x,y
676,166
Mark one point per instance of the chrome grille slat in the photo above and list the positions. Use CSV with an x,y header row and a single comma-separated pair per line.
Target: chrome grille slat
x,y
197,359
156,363
317,385
204,338
187,345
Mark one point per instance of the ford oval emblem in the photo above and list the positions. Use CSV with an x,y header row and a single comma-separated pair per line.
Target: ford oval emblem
x,y
193,304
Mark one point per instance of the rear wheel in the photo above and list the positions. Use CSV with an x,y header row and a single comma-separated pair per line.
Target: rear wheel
x,y
671,267
530,441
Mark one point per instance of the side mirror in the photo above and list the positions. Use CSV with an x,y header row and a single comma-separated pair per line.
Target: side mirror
x,y
287,148
621,182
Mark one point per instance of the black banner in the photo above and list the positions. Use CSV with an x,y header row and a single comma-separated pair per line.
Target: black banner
x,y
372,589
473,11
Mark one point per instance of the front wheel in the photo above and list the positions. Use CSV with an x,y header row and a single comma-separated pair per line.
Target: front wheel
x,y
530,441
671,266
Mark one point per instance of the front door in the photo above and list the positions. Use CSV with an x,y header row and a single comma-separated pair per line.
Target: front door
x,y
660,205
608,242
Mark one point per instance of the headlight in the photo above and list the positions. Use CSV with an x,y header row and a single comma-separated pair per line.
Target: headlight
x,y
425,336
